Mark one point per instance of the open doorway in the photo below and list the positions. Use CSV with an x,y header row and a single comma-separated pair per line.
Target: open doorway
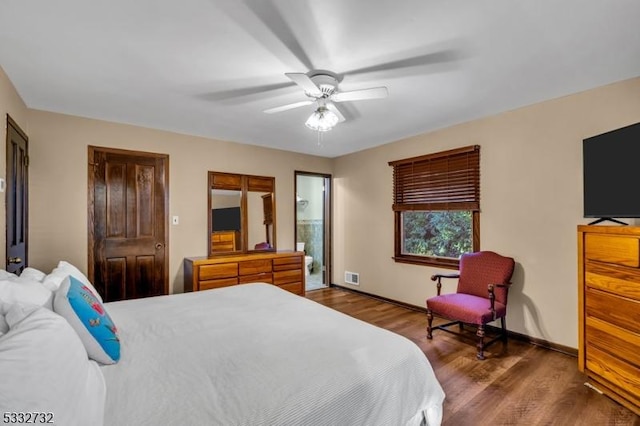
x,y
313,226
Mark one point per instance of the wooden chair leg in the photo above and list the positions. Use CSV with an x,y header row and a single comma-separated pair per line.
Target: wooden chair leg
x,y
480,334
504,329
429,321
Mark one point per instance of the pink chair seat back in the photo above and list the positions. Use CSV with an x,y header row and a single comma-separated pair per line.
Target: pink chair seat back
x,y
478,270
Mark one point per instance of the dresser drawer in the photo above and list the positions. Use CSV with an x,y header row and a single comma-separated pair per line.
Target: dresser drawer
x,y
221,270
616,310
618,250
264,277
613,340
222,237
224,282
217,247
613,279
615,371
285,277
224,241
251,267
292,287
287,263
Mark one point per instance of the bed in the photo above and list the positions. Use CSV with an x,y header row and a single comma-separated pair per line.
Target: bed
x,y
254,354
257,355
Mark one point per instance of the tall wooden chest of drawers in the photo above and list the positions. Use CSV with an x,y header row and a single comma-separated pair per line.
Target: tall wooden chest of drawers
x,y
609,309
284,269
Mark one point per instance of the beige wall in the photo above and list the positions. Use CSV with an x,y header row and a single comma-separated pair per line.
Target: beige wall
x,y
531,173
58,173
12,104
531,201
310,188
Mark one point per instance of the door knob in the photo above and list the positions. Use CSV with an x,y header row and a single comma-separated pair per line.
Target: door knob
x,y
15,260
158,246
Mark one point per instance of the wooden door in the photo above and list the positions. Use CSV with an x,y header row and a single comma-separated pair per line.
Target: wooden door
x,y
128,208
17,199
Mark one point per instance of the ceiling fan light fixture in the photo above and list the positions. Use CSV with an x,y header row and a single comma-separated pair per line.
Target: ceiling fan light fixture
x,y
322,120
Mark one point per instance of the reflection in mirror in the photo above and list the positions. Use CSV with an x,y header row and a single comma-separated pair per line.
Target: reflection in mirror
x,y
242,213
226,220
258,228
268,208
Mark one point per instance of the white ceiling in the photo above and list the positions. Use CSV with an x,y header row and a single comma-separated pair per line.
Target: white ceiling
x,y
210,67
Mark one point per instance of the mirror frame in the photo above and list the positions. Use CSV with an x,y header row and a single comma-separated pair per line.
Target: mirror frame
x,y
244,184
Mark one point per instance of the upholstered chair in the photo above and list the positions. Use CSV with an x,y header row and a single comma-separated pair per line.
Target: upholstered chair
x,y
481,297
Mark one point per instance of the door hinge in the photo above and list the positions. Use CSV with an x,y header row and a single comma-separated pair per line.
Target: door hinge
x,y
25,161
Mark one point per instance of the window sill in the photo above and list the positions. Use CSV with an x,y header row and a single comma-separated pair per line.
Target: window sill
x,y
428,261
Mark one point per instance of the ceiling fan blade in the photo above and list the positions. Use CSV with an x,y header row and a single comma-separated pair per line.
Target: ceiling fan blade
x,y
358,95
334,109
287,107
303,80
441,56
268,13
264,21
245,92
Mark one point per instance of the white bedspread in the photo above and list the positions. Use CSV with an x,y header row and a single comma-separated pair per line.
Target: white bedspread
x,y
257,355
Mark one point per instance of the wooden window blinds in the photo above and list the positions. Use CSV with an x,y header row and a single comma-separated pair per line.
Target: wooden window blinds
x,y
448,180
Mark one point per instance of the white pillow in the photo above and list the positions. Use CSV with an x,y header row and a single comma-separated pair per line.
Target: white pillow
x,y
44,368
54,278
64,269
33,274
4,275
4,327
22,290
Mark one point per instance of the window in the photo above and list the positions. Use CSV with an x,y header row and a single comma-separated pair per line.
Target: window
x,y
436,204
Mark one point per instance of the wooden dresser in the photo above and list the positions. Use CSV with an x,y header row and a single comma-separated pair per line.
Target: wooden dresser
x,y
283,268
609,309
225,241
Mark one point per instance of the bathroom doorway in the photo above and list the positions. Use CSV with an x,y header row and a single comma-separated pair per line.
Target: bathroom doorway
x,y
313,226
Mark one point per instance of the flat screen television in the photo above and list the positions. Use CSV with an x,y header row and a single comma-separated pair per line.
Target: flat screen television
x,y
226,219
611,167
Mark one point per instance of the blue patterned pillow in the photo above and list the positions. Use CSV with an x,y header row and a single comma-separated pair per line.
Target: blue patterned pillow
x,y
88,317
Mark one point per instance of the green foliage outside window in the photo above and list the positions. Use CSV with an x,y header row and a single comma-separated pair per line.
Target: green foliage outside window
x,y
437,233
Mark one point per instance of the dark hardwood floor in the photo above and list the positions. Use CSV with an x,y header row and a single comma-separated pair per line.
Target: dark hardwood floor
x,y
518,383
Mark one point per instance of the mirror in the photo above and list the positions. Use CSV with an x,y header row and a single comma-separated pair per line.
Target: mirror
x,y
226,220
242,213
259,218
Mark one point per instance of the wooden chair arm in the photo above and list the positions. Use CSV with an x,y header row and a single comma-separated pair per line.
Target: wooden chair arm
x,y
507,285
492,296
440,277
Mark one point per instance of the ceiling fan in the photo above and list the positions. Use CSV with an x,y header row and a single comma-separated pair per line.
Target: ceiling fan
x,y
321,87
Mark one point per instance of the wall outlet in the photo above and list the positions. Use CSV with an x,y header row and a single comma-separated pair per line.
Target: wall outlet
x,y
351,278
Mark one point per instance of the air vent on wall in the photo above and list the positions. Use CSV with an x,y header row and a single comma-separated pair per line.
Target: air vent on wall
x,y
351,278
